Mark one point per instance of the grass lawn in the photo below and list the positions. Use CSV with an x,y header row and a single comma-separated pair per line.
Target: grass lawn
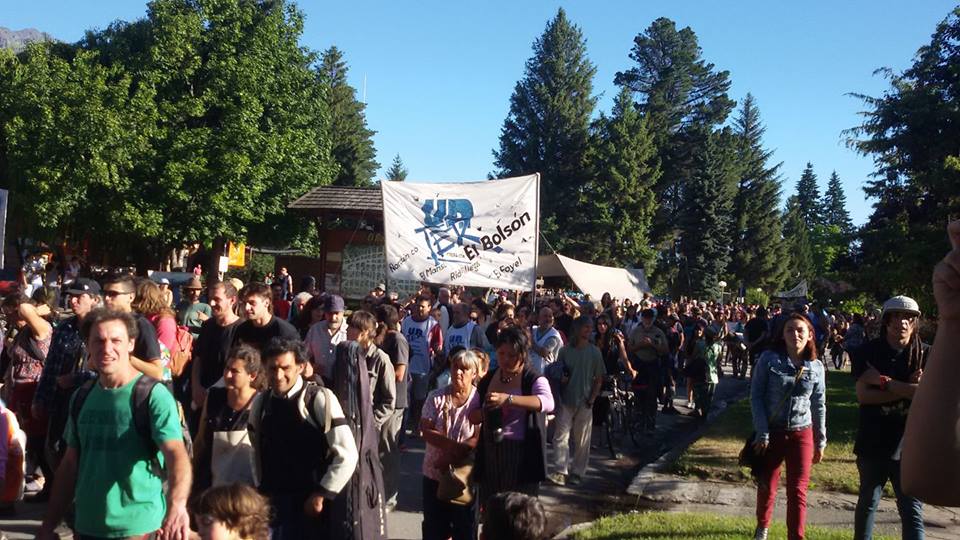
x,y
714,456
684,526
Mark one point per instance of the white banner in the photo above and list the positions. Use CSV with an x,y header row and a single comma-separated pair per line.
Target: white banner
x,y
479,234
800,291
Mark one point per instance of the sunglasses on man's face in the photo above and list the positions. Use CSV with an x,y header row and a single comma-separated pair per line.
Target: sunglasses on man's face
x,y
114,294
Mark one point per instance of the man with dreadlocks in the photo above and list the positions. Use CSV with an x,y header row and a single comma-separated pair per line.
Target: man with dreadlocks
x,y
888,370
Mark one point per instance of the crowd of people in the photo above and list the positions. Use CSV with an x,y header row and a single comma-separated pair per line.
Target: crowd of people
x,y
251,409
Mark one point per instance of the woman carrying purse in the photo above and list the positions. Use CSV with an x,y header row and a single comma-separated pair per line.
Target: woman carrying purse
x,y
450,439
789,418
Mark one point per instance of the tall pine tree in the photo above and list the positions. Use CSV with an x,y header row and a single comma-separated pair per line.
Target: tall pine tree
x,y
834,206
759,256
808,197
911,132
619,199
706,218
797,242
547,128
397,172
352,141
685,98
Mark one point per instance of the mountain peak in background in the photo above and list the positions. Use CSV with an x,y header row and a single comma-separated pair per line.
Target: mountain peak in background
x,y
18,39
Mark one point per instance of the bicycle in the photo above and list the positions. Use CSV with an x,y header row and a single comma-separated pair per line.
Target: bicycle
x,y
617,423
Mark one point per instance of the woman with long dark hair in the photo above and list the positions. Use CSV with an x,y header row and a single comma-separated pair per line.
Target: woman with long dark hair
x,y
311,314
510,453
612,344
790,420
223,453
391,341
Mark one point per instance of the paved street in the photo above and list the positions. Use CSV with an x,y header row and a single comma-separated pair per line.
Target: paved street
x,y
602,491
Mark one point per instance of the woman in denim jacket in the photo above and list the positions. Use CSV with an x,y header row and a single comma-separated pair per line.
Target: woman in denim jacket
x,y
789,417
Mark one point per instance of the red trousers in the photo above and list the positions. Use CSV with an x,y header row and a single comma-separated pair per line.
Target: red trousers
x,y
796,449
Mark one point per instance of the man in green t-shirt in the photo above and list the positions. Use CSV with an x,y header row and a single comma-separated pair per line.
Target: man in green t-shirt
x,y
107,469
583,363
191,312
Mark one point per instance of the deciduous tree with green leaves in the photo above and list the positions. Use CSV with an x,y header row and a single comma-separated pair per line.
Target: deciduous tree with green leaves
x,y
198,123
77,139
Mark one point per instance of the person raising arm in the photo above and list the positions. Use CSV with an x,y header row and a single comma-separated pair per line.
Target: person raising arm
x,y
931,445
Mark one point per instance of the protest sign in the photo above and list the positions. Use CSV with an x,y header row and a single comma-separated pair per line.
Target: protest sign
x,y
481,234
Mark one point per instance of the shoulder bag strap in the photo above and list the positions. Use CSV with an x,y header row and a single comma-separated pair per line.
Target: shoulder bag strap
x,y
786,396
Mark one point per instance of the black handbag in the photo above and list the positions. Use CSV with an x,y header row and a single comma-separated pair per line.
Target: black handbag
x,y
748,456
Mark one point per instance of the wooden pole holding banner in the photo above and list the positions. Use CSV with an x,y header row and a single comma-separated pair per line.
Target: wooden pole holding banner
x,y
536,248
386,236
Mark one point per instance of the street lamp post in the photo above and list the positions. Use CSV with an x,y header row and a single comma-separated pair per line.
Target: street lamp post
x,y
723,285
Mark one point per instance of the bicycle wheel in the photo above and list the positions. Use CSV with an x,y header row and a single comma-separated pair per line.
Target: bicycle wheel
x,y
635,421
614,428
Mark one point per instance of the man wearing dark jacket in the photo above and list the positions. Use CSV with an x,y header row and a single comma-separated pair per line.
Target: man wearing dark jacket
x,y
304,451
888,370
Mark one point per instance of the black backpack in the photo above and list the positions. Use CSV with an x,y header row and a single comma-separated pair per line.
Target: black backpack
x,y
140,404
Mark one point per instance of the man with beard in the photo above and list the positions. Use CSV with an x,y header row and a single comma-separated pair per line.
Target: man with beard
x,y
426,342
64,370
191,312
546,341
261,325
322,338
214,342
463,333
888,370
304,451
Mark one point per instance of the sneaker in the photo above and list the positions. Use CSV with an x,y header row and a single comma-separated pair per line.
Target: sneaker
x,y
691,405
34,486
760,534
557,478
574,479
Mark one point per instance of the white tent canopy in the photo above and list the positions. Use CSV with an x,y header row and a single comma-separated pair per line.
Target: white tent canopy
x,y
594,279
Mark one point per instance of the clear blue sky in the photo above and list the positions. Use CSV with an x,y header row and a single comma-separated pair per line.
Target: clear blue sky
x,y
439,74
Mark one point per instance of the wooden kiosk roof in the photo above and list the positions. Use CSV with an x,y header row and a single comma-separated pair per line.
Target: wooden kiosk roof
x,y
339,200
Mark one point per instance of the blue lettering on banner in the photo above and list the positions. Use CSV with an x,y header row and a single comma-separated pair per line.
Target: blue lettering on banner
x,y
445,226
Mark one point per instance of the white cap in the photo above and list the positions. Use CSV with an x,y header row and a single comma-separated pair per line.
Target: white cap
x,y
901,303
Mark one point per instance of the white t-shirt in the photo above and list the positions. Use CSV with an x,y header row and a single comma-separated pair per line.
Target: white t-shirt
x,y
460,337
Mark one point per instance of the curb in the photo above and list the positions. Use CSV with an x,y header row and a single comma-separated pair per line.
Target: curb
x,y
572,530
639,483
649,471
